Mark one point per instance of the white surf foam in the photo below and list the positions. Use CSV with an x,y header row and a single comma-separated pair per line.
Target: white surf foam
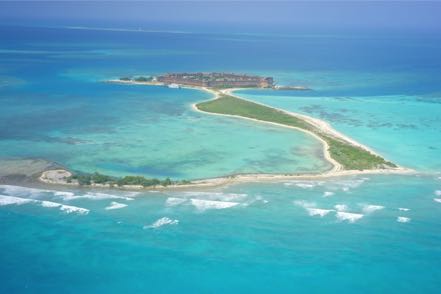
x,y
73,209
437,200
92,196
305,185
64,194
318,211
348,216
304,204
402,219
64,208
23,191
217,196
340,207
438,192
49,204
115,205
203,205
368,208
173,201
352,183
161,222
12,200
403,209
328,194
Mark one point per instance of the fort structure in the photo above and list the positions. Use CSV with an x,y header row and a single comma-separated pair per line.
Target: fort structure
x,y
216,80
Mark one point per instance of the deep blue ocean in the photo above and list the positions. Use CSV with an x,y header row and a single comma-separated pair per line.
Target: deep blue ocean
x,y
359,234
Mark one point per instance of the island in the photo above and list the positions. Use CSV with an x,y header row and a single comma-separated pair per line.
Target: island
x,y
214,80
347,156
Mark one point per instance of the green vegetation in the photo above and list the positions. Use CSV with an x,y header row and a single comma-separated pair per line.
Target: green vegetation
x,y
349,156
97,178
136,79
143,79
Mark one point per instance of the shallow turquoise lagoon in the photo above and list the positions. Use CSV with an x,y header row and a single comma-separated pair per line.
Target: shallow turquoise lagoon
x,y
56,106
346,234
151,131
406,129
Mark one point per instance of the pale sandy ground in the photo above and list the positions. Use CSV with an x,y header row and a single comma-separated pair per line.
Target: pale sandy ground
x,y
59,176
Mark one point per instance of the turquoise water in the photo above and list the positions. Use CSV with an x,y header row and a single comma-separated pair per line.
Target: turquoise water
x,y
68,115
125,130
404,128
366,234
245,238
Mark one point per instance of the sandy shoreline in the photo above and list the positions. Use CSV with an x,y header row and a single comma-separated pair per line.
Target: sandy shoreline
x,y
59,176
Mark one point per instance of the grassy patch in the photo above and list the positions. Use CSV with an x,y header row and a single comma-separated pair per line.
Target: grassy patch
x,y
349,156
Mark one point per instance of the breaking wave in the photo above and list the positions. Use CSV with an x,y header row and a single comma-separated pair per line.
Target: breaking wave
x,y
203,205
304,204
12,200
340,207
115,205
318,211
367,208
64,195
328,194
92,196
217,196
24,191
173,201
402,219
348,216
161,222
73,209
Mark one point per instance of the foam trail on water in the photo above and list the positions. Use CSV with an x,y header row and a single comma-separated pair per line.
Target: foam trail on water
x,y
92,196
341,207
49,204
328,194
115,205
218,196
161,222
438,192
402,219
437,200
24,191
73,209
173,201
203,205
371,208
64,208
348,216
305,185
65,195
304,204
403,209
12,200
318,211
